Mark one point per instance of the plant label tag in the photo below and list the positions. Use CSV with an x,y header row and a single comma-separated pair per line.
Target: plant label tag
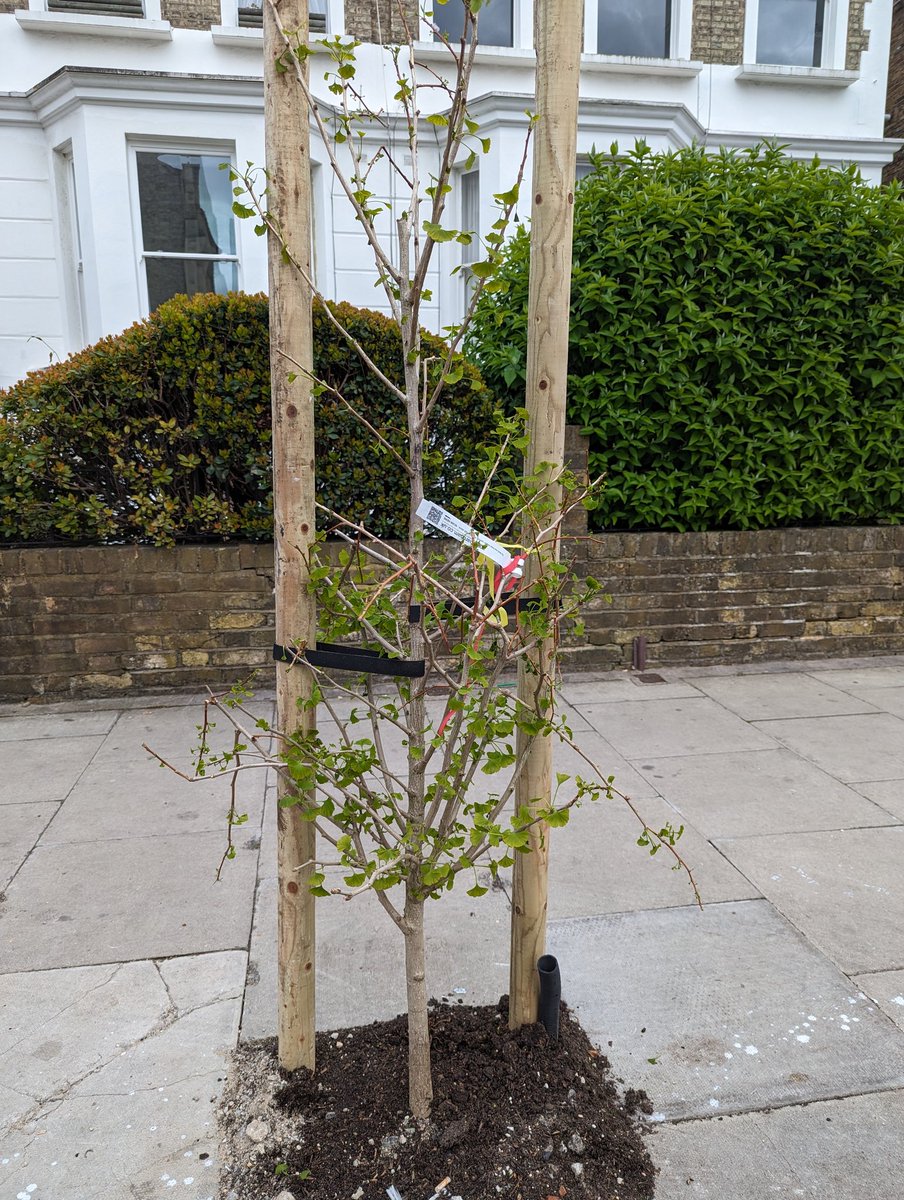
x,y
453,527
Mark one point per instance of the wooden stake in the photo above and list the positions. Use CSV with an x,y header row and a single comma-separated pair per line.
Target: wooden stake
x,y
558,36
289,197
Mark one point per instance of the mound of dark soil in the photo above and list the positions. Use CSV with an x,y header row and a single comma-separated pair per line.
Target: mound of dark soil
x,y
514,1116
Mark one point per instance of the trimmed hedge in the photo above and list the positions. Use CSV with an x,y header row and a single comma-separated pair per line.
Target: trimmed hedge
x,y
162,433
737,340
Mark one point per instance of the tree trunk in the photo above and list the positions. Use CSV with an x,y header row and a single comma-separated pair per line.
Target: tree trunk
x,y
420,1083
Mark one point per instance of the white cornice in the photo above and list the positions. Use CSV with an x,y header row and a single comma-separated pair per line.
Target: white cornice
x,y
15,109
72,87
633,118
834,152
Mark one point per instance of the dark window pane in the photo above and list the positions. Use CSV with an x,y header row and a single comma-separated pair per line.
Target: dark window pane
x,y
186,203
494,28
789,32
185,276
636,30
251,15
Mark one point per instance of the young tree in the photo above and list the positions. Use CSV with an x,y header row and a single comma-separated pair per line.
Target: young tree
x,y
396,622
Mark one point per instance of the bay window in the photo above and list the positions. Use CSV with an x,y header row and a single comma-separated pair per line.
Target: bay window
x,y
186,225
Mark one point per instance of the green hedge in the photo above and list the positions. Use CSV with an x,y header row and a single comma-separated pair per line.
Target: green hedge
x,y
737,340
162,433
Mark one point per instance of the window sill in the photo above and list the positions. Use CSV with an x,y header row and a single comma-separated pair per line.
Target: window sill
x,y
138,28
496,56
616,64
249,38
234,35
797,76
605,64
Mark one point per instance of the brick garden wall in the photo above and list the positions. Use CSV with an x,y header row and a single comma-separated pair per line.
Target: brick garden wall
x,y
102,620
740,597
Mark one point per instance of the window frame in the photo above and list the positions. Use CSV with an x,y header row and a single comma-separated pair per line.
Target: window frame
x,y
335,18
225,152
834,38
591,32
151,11
469,253
522,30
679,42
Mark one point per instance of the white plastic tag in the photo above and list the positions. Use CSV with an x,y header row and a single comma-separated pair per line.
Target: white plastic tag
x,y
453,527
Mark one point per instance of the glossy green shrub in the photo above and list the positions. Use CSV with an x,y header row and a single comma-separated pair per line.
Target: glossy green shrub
x,y
162,433
737,340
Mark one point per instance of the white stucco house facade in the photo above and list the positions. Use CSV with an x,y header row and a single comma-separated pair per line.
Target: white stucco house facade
x,y
115,115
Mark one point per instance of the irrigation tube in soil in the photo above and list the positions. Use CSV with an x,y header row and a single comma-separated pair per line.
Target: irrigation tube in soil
x,y
550,994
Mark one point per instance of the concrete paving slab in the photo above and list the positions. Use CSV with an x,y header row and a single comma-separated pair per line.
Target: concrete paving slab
x,y
39,726
56,1026
760,791
886,988
662,728
843,889
888,794
737,1009
790,694
609,689
41,770
577,722
13,1105
125,791
107,901
595,865
605,758
20,828
834,1150
140,1125
360,952
360,958
866,675
888,699
867,747
199,979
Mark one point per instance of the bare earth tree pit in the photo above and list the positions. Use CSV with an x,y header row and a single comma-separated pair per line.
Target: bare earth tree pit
x,y
514,1116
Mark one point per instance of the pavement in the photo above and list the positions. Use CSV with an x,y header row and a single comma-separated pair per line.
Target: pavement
x,y
768,1027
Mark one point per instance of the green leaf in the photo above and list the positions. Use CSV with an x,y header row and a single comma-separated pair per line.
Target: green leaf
x,y
483,270
437,233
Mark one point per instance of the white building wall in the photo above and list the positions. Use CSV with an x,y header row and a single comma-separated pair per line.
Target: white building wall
x,y
30,303
201,90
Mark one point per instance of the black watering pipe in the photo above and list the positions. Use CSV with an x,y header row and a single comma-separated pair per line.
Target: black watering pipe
x,y
550,994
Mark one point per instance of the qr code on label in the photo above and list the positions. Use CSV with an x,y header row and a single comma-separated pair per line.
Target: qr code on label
x,y
434,515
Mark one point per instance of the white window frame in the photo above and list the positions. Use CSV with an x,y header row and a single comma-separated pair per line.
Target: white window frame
x,y
522,29
226,152
679,32
834,37
151,11
472,253
335,17
70,240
